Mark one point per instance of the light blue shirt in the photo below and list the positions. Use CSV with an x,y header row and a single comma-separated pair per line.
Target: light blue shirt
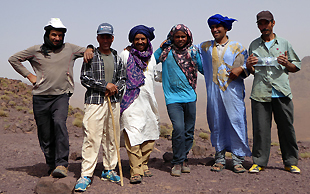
x,y
275,93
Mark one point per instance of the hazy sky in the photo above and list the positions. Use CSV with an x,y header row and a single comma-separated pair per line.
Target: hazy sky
x,y
22,22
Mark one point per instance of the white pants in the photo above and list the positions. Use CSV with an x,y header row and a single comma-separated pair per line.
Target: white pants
x,y
98,129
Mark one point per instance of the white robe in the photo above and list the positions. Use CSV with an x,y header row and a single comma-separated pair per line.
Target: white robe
x,y
141,119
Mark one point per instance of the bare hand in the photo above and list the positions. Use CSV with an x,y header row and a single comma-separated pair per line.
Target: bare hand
x,y
107,93
128,48
283,60
252,60
111,89
235,72
161,45
88,55
32,78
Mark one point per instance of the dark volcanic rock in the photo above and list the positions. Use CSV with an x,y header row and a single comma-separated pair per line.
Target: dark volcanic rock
x,y
168,156
50,185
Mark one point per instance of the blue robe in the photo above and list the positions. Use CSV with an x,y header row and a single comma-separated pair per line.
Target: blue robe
x,y
226,111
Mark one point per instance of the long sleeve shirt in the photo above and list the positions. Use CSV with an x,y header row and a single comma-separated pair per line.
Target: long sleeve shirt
x,y
54,72
175,84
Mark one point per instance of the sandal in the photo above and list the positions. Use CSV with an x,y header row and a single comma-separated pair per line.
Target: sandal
x,y
217,167
148,173
136,179
239,168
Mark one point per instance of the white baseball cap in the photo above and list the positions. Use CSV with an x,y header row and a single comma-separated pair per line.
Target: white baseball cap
x,y
55,23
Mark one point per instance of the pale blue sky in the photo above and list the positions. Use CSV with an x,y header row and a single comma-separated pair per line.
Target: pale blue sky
x,y
22,22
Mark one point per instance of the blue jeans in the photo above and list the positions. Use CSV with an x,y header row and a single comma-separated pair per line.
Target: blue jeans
x,y
182,116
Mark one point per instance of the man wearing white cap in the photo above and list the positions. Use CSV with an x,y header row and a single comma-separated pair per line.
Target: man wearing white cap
x,y
52,87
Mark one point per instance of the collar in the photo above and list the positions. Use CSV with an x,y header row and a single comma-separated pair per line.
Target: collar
x,y
275,39
218,44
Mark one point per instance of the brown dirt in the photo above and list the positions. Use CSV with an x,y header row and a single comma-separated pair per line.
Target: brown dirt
x,y
22,163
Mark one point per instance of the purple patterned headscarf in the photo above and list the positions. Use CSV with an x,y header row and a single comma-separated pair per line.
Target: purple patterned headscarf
x,y
182,55
136,63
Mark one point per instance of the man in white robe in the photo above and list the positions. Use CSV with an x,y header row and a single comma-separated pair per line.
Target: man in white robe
x,y
139,110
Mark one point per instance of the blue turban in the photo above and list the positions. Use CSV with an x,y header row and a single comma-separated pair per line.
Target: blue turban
x,y
219,19
141,29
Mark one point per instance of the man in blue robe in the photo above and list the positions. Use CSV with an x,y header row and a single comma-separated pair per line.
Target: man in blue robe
x,y
224,70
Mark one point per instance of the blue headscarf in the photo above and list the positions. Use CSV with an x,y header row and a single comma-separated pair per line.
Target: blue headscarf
x,y
219,19
141,29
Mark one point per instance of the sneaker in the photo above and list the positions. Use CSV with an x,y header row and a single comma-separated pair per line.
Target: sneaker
x,y
82,184
110,175
176,170
255,168
292,169
185,168
60,172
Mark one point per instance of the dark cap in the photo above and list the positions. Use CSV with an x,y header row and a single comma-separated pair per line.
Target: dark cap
x,y
264,15
105,28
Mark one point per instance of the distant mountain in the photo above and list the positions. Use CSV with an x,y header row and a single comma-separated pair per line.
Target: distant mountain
x,y
300,84
300,81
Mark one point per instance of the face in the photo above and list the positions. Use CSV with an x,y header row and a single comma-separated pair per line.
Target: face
x,y
56,37
180,39
218,31
140,42
105,41
266,27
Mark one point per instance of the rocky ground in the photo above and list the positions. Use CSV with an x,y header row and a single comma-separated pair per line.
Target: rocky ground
x,y
22,162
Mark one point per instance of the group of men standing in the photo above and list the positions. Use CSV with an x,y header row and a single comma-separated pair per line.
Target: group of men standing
x,y
127,81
